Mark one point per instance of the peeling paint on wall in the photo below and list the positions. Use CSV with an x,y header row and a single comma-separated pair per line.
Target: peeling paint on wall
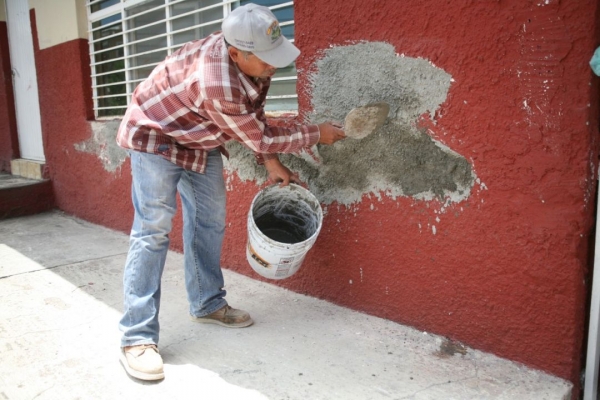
x,y
400,159
103,144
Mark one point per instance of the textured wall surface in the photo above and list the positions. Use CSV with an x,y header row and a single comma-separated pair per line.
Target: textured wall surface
x,y
505,268
468,214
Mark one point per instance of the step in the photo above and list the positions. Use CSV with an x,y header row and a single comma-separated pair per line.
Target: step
x,y
20,196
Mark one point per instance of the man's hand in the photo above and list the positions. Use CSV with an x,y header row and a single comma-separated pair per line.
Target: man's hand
x,y
280,173
330,133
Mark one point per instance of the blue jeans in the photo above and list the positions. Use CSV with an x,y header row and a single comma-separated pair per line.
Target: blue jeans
x,y
155,182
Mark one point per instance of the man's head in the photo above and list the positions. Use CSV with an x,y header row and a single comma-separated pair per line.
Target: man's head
x,y
256,41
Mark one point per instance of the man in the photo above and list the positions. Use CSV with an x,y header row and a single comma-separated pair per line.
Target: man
x,y
207,93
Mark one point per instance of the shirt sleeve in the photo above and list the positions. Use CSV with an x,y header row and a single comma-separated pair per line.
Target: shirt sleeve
x,y
246,126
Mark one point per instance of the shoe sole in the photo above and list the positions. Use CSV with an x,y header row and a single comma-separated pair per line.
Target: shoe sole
x,y
144,376
217,322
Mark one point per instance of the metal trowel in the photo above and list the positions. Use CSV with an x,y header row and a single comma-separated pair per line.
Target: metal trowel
x,y
360,122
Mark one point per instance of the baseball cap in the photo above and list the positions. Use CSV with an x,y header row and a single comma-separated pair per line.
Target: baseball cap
x,y
254,28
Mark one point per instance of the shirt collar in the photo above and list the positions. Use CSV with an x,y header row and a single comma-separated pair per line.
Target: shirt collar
x,y
252,86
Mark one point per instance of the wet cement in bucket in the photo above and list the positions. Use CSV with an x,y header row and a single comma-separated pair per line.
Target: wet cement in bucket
x,y
284,217
285,229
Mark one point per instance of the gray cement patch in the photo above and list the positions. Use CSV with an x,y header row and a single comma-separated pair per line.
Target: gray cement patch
x,y
103,144
399,159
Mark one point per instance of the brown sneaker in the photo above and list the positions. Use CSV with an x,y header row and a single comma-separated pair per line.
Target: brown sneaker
x,y
226,316
143,362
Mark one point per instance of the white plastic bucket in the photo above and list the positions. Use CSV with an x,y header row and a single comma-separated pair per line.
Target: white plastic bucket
x,y
283,224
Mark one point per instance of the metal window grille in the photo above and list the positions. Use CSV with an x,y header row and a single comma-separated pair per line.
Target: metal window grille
x,y
128,38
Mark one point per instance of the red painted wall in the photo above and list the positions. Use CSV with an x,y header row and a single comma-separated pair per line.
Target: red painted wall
x,y
507,270
9,148
82,186
507,274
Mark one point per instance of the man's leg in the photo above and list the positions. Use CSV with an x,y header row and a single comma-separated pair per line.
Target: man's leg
x,y
154,186
203,200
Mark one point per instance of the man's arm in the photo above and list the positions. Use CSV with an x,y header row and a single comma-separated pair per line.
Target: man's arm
x,y
243,124
328,134
278,172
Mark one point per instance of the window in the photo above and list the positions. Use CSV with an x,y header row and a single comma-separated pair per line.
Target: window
x,y
129,37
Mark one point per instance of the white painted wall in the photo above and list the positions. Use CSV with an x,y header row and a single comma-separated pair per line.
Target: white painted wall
x,y
2,11
59,21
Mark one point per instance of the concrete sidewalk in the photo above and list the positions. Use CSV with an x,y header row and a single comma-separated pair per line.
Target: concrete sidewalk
x,y
60,302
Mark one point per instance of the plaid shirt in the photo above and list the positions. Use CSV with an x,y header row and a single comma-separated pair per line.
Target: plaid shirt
x,y
198,99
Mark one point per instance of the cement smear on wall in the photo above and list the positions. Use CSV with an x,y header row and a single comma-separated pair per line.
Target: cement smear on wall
x,y
103,144
399,159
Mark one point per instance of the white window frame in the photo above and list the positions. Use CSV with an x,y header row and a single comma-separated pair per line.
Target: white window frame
x,y
120,9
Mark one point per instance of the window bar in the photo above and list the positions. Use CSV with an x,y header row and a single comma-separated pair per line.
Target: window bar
x,y
125,56
282,5
131,83
92,61
283,96
284,78
169,33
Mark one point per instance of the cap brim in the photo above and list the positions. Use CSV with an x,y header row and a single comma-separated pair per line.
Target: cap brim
x,y
281,56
